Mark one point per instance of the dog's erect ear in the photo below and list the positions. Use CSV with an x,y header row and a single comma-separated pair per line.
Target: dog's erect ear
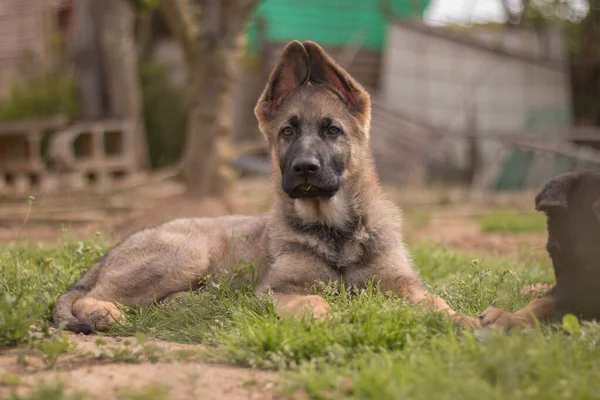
x,y
291,71
324,70
555,195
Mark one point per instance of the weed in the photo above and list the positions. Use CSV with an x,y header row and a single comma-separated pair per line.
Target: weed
x,y
49,392
130,351
152,392
50,345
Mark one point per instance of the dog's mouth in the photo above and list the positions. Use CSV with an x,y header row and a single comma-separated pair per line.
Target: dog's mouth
x,y
308,191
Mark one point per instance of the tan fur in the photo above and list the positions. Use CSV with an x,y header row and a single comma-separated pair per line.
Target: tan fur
x,y
352,236
537,311
333,212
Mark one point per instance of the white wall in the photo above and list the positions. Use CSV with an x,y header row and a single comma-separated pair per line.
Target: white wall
x,y
436,79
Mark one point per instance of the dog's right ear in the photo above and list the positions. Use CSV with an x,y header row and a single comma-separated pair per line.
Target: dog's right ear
x,y
555,195
324,70
291,71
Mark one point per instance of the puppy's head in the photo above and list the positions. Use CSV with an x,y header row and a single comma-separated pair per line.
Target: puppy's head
x,y
572,204
316,119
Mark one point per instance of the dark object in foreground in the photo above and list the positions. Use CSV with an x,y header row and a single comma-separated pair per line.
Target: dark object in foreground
x,y
572,205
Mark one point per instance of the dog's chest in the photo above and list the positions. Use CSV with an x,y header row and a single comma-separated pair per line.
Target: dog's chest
x,y
340,248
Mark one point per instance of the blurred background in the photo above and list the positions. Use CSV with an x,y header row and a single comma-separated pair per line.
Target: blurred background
x,y
112,109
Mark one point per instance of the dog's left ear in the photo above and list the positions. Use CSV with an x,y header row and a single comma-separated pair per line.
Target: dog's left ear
x,y
324,70
555,195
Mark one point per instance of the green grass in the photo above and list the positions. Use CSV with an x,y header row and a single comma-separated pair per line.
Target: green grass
x,y
375,346
512,222
31,279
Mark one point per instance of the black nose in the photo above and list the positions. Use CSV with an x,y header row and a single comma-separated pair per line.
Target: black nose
x,y
306,166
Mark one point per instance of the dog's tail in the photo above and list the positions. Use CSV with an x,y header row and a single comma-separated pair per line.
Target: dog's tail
x,y
62,313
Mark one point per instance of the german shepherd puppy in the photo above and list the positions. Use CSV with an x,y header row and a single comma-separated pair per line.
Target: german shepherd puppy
x,y
572,205
330,221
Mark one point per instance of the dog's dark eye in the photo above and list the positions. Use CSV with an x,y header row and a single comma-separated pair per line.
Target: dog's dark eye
x,y
287,131
333,130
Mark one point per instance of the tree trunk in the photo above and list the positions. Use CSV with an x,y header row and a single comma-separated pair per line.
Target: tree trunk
x,y
253,86
585,71
85,52
117,29
211,34
208,152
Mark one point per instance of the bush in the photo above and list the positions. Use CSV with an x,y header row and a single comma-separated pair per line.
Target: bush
x,y
164,115
37,95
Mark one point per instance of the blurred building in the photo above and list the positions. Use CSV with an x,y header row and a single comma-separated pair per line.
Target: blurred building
x,y
26,28
490,82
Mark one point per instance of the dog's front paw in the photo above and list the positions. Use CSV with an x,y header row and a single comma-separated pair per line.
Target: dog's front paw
x,y
321,310
301,305
493,316
466,322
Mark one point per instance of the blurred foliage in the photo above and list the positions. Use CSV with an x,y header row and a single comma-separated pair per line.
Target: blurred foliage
x,y
582,36
250,60
39,95
41,90
543,13
538,14
164,115
142,6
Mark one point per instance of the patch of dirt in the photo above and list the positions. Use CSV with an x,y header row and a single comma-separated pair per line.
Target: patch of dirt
x,y
449,228
88,343
85,350
178,381
52,220
83,370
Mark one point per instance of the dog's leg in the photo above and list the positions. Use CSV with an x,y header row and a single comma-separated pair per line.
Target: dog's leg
x,y
538,310
417,294
395,273
98,308
174,295
287,280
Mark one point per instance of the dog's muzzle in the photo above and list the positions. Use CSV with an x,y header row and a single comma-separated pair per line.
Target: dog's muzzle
x,y
308,191
306,179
